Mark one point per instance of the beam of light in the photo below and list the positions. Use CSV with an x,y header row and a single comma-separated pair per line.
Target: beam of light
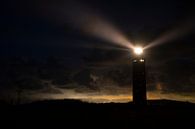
x,y
88,22
96,25
171,35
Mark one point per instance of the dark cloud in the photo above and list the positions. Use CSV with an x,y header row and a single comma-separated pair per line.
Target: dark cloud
x,y
179,74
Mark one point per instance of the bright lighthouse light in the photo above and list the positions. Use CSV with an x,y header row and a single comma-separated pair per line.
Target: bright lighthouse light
x,y
138,50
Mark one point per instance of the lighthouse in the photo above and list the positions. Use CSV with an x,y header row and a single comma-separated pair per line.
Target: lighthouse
x,y
139,78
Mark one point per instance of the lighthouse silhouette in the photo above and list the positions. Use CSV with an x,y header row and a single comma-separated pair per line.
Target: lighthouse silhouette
x,y
139,79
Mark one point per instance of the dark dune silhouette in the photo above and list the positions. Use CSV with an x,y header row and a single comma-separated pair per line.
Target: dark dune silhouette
x,y
74,113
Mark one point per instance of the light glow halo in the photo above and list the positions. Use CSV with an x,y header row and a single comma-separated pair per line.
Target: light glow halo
x,y
138,50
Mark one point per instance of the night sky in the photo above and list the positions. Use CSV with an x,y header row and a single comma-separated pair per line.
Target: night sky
x,y
78,49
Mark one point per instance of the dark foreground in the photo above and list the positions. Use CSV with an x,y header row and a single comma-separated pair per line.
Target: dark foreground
x,y
75,114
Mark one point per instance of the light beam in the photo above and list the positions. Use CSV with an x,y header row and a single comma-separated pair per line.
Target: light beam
x,y
89,22
178,32
94,24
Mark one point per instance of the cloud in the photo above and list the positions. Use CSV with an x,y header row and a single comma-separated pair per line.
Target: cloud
x,y
50,90
118,95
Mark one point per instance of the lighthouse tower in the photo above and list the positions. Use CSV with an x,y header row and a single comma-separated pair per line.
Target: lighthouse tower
x,y
139,79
